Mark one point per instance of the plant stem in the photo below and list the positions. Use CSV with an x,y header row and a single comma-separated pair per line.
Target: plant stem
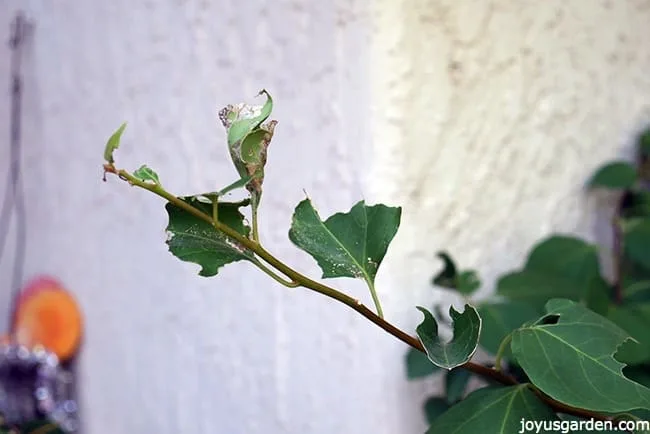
x,y
618,262
279,279
215,209
618,252
301,280
255,201
501,351
375,298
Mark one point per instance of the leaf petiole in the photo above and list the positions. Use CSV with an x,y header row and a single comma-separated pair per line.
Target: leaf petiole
x,y
375,298
501,351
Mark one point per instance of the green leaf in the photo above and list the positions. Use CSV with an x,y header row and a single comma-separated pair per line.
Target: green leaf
x,y
637,241
568,354
567,256
500,319
536,288
465,282
446,278
434,407
493,410
468,282
113,143
418,365
455,384
644,142
559,266
467,329
346,245
635,320
636,290
145,173
598,296
192,239
240,183
616,175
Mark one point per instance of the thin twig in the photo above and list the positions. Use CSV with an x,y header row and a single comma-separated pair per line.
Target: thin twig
x,y
351,302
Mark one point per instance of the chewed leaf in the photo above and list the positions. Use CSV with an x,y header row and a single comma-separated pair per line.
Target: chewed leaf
x,y
253,146
145,173
346,245
467,329
113,143
192,239
244,118
569,355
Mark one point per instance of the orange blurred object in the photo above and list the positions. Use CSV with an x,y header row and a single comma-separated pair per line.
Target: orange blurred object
x,y
48,315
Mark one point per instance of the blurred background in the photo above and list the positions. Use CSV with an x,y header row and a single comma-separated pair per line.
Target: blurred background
x,y
482,119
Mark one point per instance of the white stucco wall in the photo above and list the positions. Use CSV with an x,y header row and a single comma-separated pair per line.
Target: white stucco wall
x,y
482,119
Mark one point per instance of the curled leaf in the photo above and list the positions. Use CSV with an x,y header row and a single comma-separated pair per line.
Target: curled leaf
x,y
448,355
145,173
248,140
113,143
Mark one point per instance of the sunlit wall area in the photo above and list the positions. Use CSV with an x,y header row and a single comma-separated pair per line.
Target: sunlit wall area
x,y
488,119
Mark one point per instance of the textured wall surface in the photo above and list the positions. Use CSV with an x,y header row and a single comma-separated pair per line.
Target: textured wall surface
x,y
481,118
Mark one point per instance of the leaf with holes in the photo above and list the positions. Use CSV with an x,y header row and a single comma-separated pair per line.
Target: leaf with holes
x,y
193,239
618,175
145,173
248,141
349,244
113,143
569,355
635,320
242,119
467,329
493,410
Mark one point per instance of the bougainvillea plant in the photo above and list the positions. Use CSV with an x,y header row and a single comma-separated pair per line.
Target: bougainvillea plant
x,y
570,347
